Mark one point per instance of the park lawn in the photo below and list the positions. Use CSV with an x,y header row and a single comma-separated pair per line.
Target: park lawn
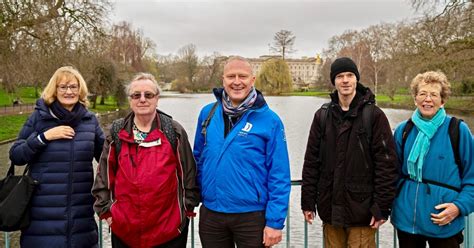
x,y
11,125
25,94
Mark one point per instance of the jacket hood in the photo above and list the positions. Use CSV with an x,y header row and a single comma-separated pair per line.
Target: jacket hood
x,y
260,102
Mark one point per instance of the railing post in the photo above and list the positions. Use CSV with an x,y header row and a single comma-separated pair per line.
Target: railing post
x,y
7,240
192,232
288,229
100,234
469,231
305,234
395,238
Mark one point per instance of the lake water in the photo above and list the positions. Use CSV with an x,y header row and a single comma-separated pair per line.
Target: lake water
x,y
297,115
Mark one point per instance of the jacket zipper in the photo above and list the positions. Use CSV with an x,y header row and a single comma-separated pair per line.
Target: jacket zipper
x,y
363,152
414,207
69,195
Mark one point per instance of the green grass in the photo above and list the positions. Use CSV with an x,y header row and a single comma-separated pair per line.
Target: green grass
x,y
11,125
307,93
25,94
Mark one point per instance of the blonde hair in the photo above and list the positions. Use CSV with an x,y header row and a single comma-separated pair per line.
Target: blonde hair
x,y
65,73
238,58
143,76
432,77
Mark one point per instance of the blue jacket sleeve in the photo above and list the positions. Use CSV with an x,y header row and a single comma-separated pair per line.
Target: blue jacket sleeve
x,y
465,199
279,179
27,145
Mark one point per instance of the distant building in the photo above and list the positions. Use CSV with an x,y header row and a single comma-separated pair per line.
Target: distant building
x,y
305,71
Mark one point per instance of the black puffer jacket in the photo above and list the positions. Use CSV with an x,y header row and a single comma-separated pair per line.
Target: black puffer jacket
x,y
352,184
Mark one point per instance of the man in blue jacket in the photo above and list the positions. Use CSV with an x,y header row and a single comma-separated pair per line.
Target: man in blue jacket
x,y
243,168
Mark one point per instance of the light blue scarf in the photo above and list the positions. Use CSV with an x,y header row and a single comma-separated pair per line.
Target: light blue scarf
x,y
427,129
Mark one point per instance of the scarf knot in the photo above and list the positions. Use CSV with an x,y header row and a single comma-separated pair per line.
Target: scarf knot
x,y
246,104
426,130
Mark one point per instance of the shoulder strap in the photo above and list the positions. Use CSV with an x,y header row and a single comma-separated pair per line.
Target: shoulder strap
x,y
367,119
167,128
454,138
117,125
322,127
406,130
206,122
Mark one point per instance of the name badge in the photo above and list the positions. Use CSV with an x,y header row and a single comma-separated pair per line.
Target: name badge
x,y
151,144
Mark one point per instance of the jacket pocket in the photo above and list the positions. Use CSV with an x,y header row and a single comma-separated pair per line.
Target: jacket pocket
x,y
359,199
324,199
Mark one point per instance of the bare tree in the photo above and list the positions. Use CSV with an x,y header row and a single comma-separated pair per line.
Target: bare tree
x,y
189,62
283,42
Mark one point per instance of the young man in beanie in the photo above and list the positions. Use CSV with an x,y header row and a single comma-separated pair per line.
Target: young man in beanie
x,y
350,166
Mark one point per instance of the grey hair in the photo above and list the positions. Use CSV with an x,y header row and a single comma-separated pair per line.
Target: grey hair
x,y
143,76
238,58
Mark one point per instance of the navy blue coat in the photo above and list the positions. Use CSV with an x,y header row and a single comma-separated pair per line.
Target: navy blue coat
x,y
61,211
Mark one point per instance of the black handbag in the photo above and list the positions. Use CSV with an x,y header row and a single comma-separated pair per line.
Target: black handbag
x,y
15,197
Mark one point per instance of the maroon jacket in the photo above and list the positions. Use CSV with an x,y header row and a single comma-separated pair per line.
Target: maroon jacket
x,y
149,191
356,180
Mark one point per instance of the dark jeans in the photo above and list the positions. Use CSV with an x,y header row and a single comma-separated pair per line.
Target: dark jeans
x,y
408,240
223,230
178,242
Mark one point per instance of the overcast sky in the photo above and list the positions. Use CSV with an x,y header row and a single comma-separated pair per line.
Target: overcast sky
x,y
247,27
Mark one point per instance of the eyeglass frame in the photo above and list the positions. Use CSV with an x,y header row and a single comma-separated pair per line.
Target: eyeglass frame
x,y
63,88
433,95
146,94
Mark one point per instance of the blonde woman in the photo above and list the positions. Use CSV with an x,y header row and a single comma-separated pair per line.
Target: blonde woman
x,y
59,141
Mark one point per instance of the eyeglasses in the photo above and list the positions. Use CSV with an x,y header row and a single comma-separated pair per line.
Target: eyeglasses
x,y
63,88
423,95
146,94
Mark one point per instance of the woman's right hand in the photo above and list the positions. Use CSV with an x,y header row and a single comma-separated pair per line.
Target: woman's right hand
x,y
59,132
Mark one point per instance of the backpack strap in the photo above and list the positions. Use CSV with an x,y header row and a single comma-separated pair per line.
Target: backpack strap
x,y
206,122
322,127
167,128
367,119
454,138
117,125
406,130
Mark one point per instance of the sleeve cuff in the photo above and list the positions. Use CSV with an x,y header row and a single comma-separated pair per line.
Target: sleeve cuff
x,y
275,225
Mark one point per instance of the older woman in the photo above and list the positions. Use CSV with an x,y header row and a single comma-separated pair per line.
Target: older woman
x,y
435,193
59,141
145,186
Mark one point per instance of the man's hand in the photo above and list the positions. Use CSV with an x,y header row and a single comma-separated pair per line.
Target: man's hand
x,y
309,216
376,223
449,213
59,132
271,236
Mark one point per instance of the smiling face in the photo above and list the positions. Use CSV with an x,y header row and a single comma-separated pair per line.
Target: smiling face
x,y
67,92
143,97
238,80
428,99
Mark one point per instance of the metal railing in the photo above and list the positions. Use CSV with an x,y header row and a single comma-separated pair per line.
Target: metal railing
x,y
468,231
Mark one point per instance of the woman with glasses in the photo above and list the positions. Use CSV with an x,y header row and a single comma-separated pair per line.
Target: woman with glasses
x,y
436,190
145,186
59,141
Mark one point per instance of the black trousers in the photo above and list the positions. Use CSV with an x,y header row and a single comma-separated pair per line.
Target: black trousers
x,y
408,240
178,242
223,230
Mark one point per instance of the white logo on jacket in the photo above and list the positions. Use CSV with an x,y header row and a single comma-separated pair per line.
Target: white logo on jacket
x,y
246,129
